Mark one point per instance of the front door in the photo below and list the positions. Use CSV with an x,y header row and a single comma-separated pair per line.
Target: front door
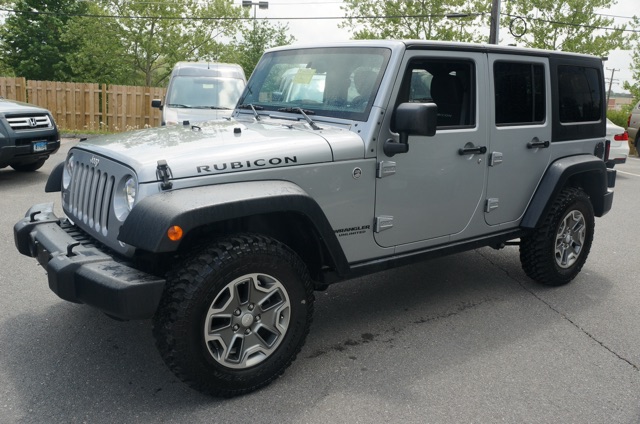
x,y
435,189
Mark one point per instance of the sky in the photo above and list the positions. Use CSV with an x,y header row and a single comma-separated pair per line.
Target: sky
x,y
322,30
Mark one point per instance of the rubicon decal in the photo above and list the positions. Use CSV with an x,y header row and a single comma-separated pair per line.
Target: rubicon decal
x,y
246,164
352,231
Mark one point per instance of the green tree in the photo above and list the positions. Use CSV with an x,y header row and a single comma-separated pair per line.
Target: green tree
x,y
101,55
30,38
634,87
567,25
257,36
159,33
415,19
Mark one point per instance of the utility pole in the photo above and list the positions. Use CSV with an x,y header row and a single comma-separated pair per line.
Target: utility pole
x,y
494,29
613,71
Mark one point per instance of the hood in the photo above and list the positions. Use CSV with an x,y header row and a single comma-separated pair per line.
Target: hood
x,y
226,146
193,115
14,106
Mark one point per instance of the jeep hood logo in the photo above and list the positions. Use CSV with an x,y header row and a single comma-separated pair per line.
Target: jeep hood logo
x,y
94,161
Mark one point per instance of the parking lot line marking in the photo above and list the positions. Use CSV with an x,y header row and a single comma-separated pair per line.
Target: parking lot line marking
x,y
629,173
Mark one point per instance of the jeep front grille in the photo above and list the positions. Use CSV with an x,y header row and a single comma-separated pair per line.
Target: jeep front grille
x,y
22,123
90,195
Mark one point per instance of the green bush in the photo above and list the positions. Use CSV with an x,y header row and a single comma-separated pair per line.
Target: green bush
x,y
618,117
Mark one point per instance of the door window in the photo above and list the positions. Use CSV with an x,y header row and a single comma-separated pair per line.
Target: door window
x,y
520,93
447,83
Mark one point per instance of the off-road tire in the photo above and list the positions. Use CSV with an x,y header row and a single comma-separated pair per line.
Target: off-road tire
x,y
29,167
192,291
541,252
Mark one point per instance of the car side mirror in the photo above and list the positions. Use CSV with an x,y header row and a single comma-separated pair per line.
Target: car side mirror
x,y
157,103
412,119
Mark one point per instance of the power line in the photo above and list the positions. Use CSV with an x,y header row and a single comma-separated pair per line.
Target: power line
x,y
228,18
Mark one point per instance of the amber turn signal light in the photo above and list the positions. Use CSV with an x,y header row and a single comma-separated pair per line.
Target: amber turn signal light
x,y
175,233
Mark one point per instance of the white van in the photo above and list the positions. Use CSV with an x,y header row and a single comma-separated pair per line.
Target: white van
x,y
200,91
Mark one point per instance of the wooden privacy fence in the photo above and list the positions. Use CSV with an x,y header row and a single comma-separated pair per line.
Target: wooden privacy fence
x,y
83,106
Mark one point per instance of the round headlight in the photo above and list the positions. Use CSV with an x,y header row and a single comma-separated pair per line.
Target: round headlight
x,y
130,190
125,196
67,172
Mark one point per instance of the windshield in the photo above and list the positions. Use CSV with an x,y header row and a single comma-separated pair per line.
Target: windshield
x,y
339,82
204,92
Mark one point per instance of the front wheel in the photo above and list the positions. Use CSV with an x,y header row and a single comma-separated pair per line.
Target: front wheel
x,y
234,316
556,251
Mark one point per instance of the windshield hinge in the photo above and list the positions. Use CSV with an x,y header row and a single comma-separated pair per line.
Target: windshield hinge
x,y
163,172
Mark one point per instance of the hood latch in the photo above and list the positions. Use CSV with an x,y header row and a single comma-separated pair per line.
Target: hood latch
x,y
163,172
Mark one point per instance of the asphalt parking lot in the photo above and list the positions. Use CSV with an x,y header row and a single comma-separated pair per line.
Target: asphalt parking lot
x,y
461,339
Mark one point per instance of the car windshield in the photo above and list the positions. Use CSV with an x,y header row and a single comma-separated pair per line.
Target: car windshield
x,y
204,92
339,82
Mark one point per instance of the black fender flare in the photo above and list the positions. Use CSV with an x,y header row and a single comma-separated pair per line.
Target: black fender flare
x,y
54,182
590,169
147,224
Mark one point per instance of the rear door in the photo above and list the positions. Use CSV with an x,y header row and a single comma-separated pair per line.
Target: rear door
x,y
520,134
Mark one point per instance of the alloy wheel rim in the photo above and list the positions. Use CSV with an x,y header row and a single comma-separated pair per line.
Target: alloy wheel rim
x,y
570,239
247,321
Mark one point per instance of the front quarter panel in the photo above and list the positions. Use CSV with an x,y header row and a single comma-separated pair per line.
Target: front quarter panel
x,y
147,224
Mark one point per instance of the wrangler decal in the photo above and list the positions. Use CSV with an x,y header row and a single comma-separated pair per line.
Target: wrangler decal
x,y
352,231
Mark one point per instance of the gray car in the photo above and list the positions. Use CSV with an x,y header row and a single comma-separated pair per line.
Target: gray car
x,y
201,91
28,135
340,160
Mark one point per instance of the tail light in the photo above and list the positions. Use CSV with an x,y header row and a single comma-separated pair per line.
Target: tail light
x,y
621,137
607,149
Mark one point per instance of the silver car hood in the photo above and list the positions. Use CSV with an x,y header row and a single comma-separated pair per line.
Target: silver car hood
x,y
226,146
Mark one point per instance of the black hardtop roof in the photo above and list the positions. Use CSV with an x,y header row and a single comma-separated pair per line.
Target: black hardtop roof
x,y
442,45
489,48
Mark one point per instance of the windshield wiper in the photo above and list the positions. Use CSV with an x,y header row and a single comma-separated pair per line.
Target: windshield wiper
x,y
178,105
303,112
211,107
253,108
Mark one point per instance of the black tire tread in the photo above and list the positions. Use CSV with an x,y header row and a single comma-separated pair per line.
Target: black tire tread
x,y
183,283
535,249
29,167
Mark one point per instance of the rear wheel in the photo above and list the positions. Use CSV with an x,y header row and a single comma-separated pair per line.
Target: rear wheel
x,y
556,251
234,316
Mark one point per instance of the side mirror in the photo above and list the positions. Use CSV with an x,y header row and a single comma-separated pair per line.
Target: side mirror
x,y
412,119
157,103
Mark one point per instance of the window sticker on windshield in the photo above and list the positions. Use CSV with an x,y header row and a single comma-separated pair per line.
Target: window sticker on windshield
x,y
207,86
304,75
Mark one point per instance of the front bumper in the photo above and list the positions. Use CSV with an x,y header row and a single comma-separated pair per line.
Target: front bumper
x,y
82,273
18,155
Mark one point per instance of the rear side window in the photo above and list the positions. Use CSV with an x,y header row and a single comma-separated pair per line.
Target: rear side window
x,y
580,94
519,93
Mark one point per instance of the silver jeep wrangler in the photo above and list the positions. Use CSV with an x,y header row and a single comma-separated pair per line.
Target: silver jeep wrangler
x,y
340,160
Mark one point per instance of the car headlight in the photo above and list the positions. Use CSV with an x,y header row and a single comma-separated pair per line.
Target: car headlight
x,y
130,190
125,197
67,172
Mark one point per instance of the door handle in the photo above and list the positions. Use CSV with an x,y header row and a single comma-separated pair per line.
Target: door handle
x,y
536,143
480,150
